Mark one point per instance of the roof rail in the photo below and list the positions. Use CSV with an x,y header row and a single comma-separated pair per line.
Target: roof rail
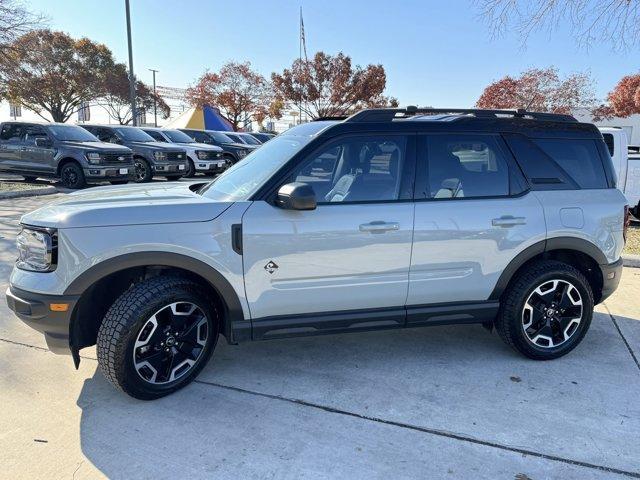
x,y
389,114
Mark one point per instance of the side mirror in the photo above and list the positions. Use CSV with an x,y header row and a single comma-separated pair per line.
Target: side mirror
x,y
43,142
296,196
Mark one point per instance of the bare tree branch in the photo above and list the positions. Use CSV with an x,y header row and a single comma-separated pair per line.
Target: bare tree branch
x,y
616,22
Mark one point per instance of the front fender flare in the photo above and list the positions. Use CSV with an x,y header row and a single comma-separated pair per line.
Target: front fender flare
x,y
234,316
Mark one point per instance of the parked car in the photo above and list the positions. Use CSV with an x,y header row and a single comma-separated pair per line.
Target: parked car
x,y
626,163
262,137
57,150
201,158
424,217
248,139
150,158
233,151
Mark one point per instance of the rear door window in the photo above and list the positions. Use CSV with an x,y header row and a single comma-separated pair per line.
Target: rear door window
x,y
464,166
578,158
12,132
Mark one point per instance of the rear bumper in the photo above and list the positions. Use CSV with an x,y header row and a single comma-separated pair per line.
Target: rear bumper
x,y
611,274
34,310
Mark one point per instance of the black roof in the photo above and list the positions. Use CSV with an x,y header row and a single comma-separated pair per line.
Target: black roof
x,y
533,124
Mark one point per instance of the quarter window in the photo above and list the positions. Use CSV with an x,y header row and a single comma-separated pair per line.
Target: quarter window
x,y
579,158
465,166
357,169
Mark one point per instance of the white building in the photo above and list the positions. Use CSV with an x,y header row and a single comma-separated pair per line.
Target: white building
x,y
631,125
94,113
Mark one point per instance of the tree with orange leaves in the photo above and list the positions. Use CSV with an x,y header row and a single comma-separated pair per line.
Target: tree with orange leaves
x,y
241,94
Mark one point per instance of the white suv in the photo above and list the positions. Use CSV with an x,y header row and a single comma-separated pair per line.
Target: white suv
x,y
391,218
201,157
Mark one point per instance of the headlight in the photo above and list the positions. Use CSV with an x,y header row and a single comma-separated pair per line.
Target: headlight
x,y
242,153
160,156
202,155
94,157
36,250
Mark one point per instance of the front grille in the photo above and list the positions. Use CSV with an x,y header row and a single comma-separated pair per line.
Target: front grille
x,y
176,156
117,158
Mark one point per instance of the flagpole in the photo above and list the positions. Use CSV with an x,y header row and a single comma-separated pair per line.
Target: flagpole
x,y
300,58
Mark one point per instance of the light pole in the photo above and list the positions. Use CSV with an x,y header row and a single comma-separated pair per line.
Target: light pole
x,y
155,100
132,78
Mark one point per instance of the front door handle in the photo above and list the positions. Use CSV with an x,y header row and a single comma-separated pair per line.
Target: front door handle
x,y
508,221
379,227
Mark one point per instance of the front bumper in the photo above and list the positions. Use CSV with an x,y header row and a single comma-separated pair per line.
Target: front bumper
x,y
171,168
34,309
611,274
124,172
214,166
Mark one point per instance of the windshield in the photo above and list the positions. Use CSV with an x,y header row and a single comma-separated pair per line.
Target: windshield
x,y
71,133
247,176
220,137
176,136
250,140
234,138
132,134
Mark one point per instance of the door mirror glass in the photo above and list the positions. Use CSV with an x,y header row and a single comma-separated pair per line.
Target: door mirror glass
x,y
296,196
42,142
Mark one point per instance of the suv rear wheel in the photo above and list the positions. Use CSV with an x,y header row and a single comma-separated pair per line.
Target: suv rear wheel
x,y
157,337
72,176
546,311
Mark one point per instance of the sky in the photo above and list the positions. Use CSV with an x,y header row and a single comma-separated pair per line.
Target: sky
x,y
435,52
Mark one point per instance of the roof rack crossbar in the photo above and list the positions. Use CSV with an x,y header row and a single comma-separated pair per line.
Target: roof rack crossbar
x,y
389,114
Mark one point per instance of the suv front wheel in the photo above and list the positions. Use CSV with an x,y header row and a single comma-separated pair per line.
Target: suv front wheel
x,y
72,176
143,170
546,311
157,336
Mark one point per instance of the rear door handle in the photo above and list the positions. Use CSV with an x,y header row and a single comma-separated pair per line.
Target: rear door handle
x,y
379,227
508,221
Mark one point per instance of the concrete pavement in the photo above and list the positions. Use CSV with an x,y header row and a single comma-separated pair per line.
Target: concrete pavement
x,y
443,402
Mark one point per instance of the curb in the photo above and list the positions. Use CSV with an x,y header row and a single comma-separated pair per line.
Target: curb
x,y
631,261
32,192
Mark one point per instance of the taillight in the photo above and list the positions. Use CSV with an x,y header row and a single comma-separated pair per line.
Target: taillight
x,y
627,222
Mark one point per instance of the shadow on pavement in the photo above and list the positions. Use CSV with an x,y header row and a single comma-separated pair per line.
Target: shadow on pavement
x,y
458,381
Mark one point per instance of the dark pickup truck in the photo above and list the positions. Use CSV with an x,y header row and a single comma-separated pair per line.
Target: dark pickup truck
x,y
68,152
150,158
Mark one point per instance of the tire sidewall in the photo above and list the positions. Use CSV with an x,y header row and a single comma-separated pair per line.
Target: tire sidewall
x,y
587,313
147,170
191,169
72,166
126,372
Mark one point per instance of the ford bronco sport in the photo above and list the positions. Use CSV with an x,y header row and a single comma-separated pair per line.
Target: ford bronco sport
x,y
67,152
390,218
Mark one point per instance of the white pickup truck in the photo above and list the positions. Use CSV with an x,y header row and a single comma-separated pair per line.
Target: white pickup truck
x,y
626,161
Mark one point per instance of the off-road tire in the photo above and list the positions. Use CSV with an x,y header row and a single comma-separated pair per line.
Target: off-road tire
x,y
509,322
125,318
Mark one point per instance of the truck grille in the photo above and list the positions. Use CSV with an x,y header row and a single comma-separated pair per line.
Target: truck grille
x,y
117,158
176,156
